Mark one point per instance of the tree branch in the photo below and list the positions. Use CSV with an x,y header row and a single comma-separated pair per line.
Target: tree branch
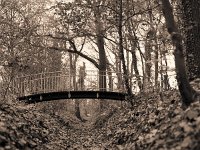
x,y
76,52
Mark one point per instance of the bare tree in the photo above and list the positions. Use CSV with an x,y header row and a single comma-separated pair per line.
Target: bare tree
x,y
187,92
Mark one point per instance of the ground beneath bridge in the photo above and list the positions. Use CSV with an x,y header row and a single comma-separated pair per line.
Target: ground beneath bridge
x,y
155,123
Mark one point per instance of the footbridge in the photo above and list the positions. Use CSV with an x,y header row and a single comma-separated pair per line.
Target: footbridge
x,y
87,84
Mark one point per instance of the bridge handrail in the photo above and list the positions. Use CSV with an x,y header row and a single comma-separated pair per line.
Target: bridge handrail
x,y
45,82
68,72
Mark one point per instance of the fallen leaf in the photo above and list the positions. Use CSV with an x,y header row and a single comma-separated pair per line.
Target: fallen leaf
x,y
185,126
186,142
192,114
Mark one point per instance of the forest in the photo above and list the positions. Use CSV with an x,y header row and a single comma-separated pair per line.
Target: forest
x,y
136,64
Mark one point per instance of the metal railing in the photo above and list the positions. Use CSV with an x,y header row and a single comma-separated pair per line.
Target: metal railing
x,y
64,81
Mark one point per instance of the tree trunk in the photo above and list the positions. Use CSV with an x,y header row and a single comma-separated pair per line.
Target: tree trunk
x,y
140,83
191,21
156,63
166,77
77,109
100,45
120,84
153,41
102,53
187,93
121,50
133,42
110,76
73,86
147,75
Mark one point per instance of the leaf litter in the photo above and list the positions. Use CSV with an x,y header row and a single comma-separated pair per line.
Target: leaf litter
x,y
154,123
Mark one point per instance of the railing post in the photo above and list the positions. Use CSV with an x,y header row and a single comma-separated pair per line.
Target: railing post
x,y
97,76
40,83
21,91
56,82
69,78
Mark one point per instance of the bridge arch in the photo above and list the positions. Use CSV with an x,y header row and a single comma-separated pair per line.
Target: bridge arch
x,y
48,86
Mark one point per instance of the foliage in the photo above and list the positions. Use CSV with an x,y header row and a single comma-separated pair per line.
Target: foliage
x,y
153,124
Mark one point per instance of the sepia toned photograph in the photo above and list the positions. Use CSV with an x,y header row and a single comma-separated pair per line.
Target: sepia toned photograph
x,y
99,74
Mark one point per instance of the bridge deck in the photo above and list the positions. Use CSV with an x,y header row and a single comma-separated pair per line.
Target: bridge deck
x,y
72,95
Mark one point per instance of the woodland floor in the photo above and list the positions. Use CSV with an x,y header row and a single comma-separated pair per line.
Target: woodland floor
x,y
155,123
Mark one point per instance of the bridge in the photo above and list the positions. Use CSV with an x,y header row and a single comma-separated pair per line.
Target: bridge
x,y
86,84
